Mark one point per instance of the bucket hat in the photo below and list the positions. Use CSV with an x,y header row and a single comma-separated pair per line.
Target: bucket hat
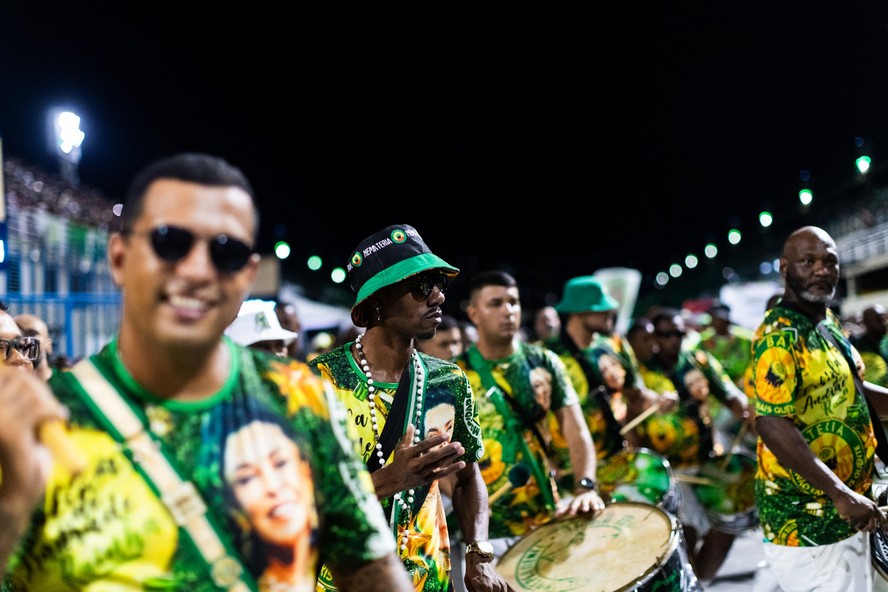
x,y
585,294
389,256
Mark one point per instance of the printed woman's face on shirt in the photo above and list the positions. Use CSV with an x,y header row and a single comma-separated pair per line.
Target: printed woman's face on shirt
x,y
271,482
541,381
612,372
440,419
697,384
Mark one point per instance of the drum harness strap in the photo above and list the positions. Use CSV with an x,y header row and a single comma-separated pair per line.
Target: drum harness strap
x,y
515,426
148,456
392,431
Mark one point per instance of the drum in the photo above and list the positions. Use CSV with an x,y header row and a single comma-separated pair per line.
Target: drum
x,y
628,546
725,488
878,541
879,552
638,475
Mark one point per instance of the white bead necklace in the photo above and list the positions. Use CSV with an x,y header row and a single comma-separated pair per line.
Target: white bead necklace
x,y
374,422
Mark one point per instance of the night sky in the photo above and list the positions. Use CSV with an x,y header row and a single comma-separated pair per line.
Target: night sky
x,y
549,139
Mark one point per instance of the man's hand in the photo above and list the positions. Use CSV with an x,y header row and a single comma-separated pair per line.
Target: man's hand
x,y
417,464
586,503
481,576
25,403
859,511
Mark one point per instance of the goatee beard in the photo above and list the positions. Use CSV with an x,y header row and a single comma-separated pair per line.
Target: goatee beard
x,y
814,298
809,296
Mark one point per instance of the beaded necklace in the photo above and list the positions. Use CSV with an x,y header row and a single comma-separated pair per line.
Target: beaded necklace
x,y
416,394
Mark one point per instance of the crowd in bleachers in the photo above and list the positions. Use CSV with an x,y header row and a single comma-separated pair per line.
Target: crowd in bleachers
x,y
28,187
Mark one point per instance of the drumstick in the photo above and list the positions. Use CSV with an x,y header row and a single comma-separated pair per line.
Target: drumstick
x,y
54,435
740,433
695,479
638,419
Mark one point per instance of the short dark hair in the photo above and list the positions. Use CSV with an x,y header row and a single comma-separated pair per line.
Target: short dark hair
x,y
193,167
492,277
640,325
667,314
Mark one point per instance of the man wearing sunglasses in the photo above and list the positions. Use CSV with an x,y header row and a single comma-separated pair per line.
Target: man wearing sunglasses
x,y
16,350
33,326
684,434
412,414
153,507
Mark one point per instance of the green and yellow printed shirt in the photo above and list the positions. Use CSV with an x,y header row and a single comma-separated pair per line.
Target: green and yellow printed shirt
x,y
448,405
612,366
684,434
798,375
299,485
873,356
516,467
733,351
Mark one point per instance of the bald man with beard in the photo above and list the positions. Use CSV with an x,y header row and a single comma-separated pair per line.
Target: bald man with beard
x,y
816,447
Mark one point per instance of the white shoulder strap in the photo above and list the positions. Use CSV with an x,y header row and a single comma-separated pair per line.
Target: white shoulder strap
x,y
181,497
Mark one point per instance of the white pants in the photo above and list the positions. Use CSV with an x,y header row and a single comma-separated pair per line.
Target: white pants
x,y
841,567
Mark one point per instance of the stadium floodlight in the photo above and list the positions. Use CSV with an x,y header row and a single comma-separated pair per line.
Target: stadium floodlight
x,y
66,138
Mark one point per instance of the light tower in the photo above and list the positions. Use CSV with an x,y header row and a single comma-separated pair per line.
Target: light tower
x,y
66,138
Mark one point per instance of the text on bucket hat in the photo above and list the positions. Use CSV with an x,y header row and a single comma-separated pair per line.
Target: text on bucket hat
x,y
389,256
257,321
585,294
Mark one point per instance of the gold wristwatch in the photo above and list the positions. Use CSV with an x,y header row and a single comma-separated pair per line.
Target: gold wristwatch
x,y
482,548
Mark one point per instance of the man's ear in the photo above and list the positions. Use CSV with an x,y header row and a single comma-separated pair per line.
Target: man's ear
x,y
116,257
472,313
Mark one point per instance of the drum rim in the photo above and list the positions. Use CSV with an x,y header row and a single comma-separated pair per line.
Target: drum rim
x,y
669,548
670,473
738,522
881,569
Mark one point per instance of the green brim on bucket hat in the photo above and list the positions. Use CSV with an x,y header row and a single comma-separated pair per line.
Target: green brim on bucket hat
x,y
389,256
585,294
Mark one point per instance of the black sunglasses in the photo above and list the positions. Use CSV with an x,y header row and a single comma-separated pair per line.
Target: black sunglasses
x,y
423,283
668,334
29,347
173,243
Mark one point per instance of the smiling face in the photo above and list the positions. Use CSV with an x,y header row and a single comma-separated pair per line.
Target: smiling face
x,y
185,304
271,482
439,420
